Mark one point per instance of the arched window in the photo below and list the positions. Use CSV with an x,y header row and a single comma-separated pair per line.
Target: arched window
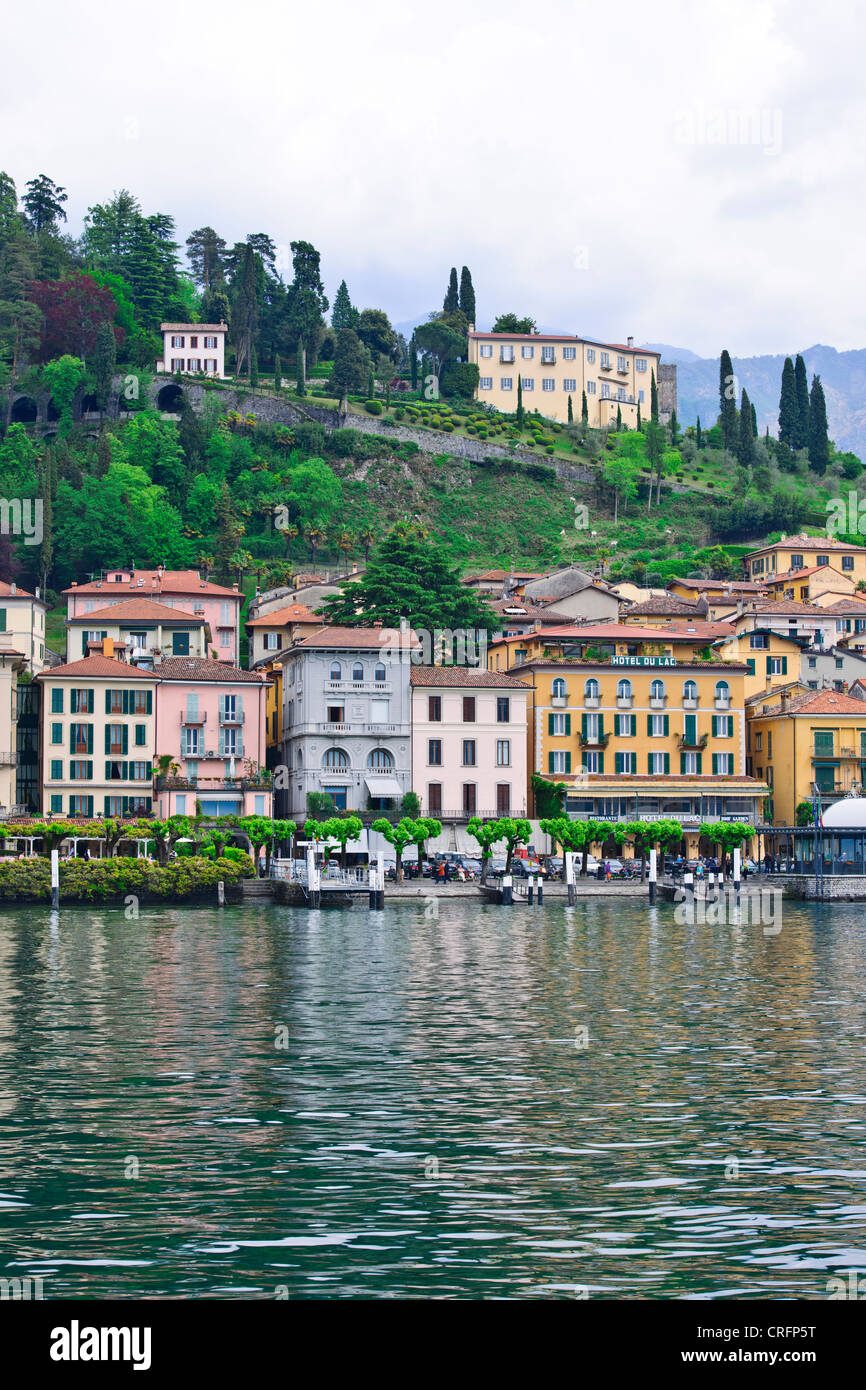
x,y
657,690
557,690
336,671
357,672
623,690
690,690
380,673
723,690
592,689
335,758
380,759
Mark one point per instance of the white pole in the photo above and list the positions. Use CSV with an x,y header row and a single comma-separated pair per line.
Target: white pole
x,y
55,879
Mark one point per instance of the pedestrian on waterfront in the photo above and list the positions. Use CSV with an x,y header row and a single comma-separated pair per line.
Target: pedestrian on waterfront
x,y
607,870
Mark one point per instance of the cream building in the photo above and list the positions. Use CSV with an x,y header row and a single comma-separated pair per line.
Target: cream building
x,y
193,348
554,366
11,663
22,624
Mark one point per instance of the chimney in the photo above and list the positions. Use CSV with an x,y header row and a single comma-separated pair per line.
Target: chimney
x,y
235,587
13,587
630,341
108,646
784,695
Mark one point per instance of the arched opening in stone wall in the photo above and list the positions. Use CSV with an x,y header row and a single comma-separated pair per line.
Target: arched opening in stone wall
x,y
170,399
24,411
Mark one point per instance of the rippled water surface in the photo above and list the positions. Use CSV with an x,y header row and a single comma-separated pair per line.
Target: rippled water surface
x,y
498,1103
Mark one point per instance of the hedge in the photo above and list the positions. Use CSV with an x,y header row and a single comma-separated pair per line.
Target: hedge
x,y
89,880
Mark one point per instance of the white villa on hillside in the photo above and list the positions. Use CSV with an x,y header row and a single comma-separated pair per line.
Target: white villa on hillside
x,y
193,347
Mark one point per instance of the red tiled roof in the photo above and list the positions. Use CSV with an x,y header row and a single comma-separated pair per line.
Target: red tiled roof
x,y
6,591
138,610
99,667
735,585
155,582
817,702
282,617
192,668
805,543
461,676
352,637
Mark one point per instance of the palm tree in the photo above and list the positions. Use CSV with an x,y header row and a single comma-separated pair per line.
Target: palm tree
x,y
291,532
367,540
315,538
345,541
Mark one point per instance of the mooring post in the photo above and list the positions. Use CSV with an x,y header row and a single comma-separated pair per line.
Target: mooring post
x,y
371,876
506,888
55,879
530,893
221,892
539,897
689,889
653,875
312,876
737,853
569,875
380,879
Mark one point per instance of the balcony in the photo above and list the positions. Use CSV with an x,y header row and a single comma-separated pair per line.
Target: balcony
x,y
624,701
193,720
333,728
604,367
231,718
722,704
597,742
658,701
549,361
8,759
506,361
380,728
623,371
698,744
559,701
592,701
690,704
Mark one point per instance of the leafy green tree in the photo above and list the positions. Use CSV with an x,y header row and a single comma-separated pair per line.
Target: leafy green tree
x,y
655,449
819,443
62,379
801,438
549,796
510,323
621,470
205,252
728,403
409,578
43,203
351,365
343,315
726,837
487,833
452,294
314,493
400,836
467,295
104,362
442,342
375,331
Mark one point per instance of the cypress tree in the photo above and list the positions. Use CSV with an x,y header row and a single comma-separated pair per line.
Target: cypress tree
x,y
746,440
254,367
343,315
520,402
654,400
278,374
451,302
103,454
674,427
49,487
570,411
638,415
819,443
727,402
788,409
302,385
467,295
619,418
698,435
413,363
802,435
584,409
754,421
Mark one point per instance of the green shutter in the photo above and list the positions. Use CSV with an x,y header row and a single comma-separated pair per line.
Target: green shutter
x,y
550,724
600,727
72,738
667,725
149,702
730,719
57,700
769,665
682,762
601,762
108,702
691,728
649,725
715,764
700,763
634,726
583,727
617,762
667,763
2,619
568,723
108,738
124,746
649,762
784,666
750,662
550,762
568,762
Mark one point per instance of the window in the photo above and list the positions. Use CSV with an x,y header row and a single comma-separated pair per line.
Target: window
x,y
690,690
81,738
658,763
194,364
626,725
796,562
640,396
380,675
503,709
758,641
657,725
723,692
605,391
468,709
177,364
625,762
57,769
604,361
527,350
380,760
357,671
621,364
592,690
81,805
272,641
56,804
548,354
334,713
640,364
823,559
503,752
180,643
434,752
569,354
193,342
469,752
823,742
486,349
210,341
839,663
139,772
178,342
335,758
689,763
723,727
57,701
548,383
81,701
434,708
503,798
590,354
116,738
657,690
624,690
528,383
775,664
569,384
557,690
560,725
847,562
336,671
485,383
560,762
434,797
723,764
56,733
590,388
506,353
140,735
593,762
469,798
505,383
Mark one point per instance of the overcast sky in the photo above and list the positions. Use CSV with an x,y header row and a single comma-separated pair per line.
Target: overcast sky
x,y
685,172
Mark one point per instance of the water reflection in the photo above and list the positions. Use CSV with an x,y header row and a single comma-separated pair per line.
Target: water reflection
x,y
495,1104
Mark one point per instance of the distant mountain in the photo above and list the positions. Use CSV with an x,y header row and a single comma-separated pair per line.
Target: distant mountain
x,y
843,375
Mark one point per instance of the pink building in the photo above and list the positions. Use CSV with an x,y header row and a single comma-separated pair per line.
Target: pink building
x,y
219,607
210,718
193,348
469,742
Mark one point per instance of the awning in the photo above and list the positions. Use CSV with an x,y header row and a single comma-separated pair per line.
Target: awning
x,y
383,786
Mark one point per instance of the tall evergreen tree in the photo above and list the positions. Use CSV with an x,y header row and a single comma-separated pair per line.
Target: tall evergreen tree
x,y
639,425
674,427
746,440
278,373
584,409
788,407
698,435
351,365
467,295
301,385
43,203
754,421
819,443
103,363
306,301
654,400
254,367
519,402
48,489
245,312
619,417
343,314
205,252
103,454
413,363
570,411
802,435
451,301
727,402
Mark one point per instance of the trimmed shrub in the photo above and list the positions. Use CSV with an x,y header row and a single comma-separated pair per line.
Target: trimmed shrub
x,y
373,407
102,880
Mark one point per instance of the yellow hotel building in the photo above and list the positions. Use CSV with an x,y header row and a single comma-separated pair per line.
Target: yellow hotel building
x,y
796,553
818,737
554,366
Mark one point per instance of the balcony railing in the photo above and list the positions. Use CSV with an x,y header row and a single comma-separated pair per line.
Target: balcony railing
x,y
624,701
380,728
658,701
190,719
697,744
8,759
689,703
228,717
559,701
592,701
604,366
328,728
600,741
722,703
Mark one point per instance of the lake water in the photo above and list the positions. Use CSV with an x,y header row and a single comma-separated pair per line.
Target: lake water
x,y
502,1103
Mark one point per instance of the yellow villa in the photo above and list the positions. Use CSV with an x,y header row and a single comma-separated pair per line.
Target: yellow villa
x,y
771,660
817,738
554,366
789,557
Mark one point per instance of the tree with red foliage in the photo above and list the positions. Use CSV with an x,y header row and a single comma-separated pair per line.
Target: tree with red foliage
x,y
72,311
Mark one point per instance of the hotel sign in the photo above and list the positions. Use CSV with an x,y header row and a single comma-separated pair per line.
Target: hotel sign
x,y
643,661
